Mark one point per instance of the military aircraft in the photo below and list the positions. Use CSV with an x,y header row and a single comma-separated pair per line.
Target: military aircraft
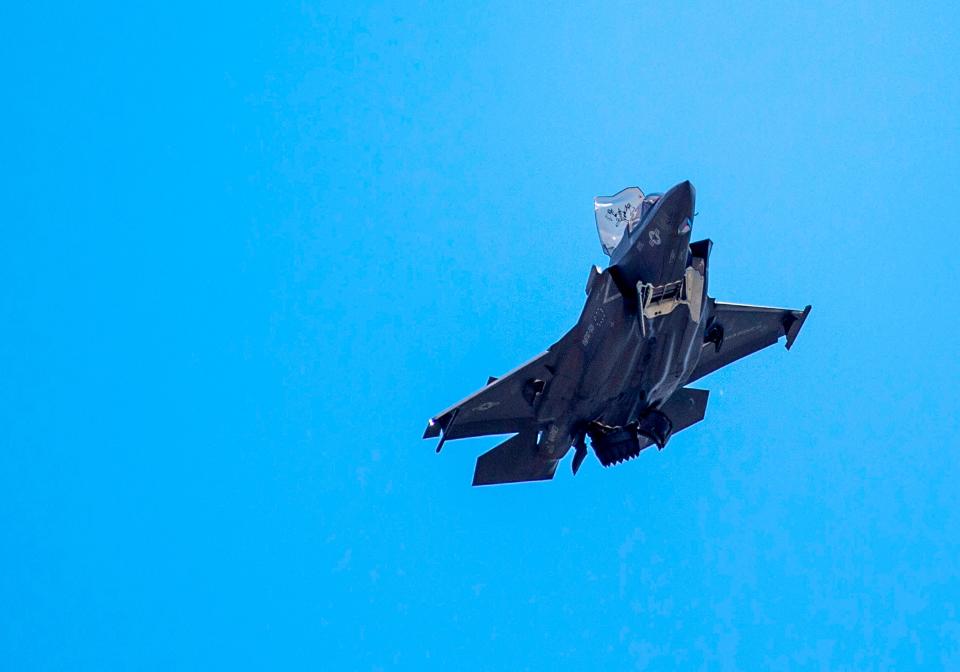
x,y
619,376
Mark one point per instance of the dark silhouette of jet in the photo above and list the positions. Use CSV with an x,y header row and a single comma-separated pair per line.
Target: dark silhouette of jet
x,y
619,376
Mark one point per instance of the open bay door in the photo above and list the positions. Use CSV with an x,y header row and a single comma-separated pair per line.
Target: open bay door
x,y
616,215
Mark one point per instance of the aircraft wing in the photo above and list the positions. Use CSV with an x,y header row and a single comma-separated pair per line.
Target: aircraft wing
x,y
506,405
745,329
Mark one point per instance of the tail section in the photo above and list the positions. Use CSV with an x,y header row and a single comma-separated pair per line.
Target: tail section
x,y
687,406
613,445
514,461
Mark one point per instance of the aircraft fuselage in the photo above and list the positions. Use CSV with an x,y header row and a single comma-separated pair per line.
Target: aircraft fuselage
x,y
621,375
640,332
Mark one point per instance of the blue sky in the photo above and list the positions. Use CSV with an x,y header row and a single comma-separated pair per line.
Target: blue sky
x,y
246,253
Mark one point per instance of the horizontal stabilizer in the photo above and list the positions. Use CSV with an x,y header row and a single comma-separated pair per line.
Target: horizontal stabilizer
x,y
686,407
792,323
514,461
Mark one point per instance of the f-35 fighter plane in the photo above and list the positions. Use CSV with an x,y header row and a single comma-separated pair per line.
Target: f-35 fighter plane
x,y
619,376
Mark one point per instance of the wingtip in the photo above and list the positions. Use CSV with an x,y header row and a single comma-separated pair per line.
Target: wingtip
x,y
793,329
433,429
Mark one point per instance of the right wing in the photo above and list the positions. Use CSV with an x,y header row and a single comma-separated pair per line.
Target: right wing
x,y
740,330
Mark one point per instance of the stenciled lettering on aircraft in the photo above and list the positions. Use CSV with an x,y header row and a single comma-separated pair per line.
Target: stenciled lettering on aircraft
x,y
597,319
742,332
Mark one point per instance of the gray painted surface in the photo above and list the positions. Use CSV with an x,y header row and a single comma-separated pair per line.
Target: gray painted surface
x,y
648,328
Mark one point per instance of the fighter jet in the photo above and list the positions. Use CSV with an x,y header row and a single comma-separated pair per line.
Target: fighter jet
x,y
619,377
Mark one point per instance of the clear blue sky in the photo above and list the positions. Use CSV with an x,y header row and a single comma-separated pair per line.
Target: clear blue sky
x,y
246,252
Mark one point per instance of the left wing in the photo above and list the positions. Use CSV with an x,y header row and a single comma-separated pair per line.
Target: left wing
x,y
504,406
736,331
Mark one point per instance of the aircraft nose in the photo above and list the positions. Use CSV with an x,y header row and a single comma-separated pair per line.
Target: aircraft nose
x,y
680,200
682,196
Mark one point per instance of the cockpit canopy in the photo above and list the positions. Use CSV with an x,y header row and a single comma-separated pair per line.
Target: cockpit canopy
x,y
620,213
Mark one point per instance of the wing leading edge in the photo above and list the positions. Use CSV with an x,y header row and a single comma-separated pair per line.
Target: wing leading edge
x,y
506,405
